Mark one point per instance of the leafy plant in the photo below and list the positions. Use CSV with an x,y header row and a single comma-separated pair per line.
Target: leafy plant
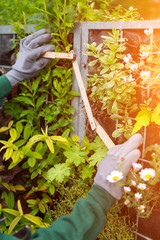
x,y
113,86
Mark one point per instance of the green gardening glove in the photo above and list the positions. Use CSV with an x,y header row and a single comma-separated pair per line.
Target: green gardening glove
x,y
113,169
29,61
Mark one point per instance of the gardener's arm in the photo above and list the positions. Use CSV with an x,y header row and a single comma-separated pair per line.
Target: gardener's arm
x,y
88,216
29,61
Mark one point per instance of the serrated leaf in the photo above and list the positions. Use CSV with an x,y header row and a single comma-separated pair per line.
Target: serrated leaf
x,y
87,172
59,172
75,155
25,100
143,118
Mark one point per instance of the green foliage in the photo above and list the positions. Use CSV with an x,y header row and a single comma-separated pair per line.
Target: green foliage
x,y
109,87
117,226
20,217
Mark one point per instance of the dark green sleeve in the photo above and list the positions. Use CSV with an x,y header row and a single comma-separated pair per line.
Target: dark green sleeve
x,y
85,222
5,87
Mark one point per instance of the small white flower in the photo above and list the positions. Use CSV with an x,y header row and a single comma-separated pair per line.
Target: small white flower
x,y
126,202
141,208
127,58
148,32
141,186
127,189
125,79
134,67
145,75
137,195
130,79
133,182
114,176
144,55
131,8
147,174
137,166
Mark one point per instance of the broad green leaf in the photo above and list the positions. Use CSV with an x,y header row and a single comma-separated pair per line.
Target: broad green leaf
x,y
59,172
75,138
92,63
87,172
52,190
19,127
13,224
74,93
10,124
37,155
117,132
16,156
143,118
8,153
100,152
19,143
13,133
75,155
41,207
27,131
3,129
31,161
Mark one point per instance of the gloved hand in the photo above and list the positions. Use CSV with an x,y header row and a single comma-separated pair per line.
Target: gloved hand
x,y
119,158
29,61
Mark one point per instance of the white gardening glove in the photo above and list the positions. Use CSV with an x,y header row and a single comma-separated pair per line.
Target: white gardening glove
x,y
29,61
119,158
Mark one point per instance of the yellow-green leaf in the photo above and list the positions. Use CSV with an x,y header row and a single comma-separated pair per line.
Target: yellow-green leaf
x,y
156,114
31,161
8,153
50,145
20,208
13,133
10,124
13,224
36,220
11,211
19,127
19,187
3,129
15,156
